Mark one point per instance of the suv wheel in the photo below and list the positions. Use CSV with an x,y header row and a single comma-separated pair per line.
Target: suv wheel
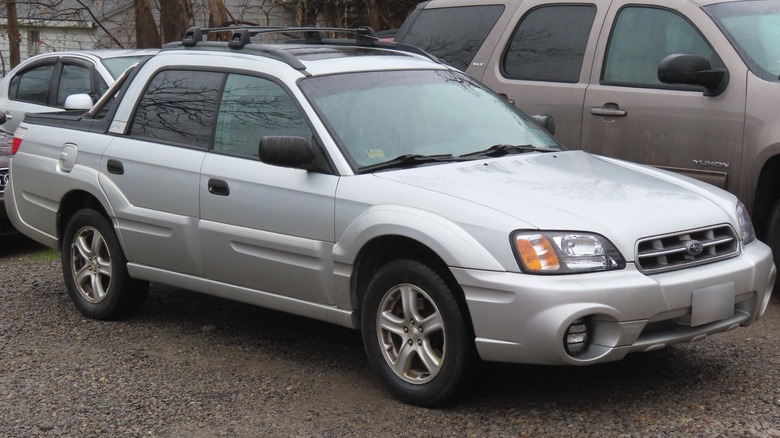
x,y
95,268
415,333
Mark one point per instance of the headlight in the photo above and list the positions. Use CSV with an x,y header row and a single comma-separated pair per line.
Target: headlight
x,y
746,230
564,252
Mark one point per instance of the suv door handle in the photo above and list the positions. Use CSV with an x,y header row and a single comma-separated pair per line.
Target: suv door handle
x,y
605,111
218,187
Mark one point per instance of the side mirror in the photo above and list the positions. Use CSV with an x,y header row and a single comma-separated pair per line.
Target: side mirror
x,y
294,152
78,102
693,70
546,121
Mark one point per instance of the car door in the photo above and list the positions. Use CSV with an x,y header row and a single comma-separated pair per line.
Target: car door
x,y
264,227
629,114
152,172
543,61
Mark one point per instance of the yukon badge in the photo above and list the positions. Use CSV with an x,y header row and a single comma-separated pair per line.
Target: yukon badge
x,y
708,163
694,247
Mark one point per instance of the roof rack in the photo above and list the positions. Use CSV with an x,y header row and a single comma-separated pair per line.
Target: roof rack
x,y
240,37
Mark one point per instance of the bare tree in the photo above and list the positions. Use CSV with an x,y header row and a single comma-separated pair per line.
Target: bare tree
x,y
175,17
146,33
14,38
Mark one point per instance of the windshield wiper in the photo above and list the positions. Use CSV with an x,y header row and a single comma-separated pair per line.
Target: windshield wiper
x,y
408,160
500,150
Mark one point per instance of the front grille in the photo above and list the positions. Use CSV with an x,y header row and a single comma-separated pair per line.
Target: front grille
x,y
686,249
3,179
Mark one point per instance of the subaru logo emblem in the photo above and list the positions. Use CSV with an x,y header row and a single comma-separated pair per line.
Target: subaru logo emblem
x,y
3,181
694,247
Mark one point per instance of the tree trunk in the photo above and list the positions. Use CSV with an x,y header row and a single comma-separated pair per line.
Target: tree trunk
x,y
14,38
146,33
373,14
218,16
174,19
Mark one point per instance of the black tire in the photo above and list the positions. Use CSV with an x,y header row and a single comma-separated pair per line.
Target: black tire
x,y
423,354
95,269
772,238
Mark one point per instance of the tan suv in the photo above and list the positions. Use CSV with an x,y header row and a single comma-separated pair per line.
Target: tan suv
x,y
594,65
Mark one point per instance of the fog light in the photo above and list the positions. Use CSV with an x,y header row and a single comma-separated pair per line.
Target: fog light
x,y
577,338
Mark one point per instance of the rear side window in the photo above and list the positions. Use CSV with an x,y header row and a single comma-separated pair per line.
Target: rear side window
x,y
74,79
453,34
32,85
641,38
179,106
549,44
252,108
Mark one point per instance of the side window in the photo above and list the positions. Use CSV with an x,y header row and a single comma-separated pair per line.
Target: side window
x,y
32,85
74,79
179,106
252,108
641,38
454,34
549,44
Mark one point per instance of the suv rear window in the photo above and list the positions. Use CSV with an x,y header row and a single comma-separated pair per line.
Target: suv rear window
x,y
453,34
549,44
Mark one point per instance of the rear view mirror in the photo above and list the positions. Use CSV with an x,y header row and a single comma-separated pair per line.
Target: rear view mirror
x,y
285,151
78,102
546,121
693,70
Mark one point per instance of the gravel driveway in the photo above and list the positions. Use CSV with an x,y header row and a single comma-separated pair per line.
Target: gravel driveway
x,y
190,365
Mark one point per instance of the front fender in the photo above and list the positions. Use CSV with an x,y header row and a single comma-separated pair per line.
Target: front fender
x,y
446,238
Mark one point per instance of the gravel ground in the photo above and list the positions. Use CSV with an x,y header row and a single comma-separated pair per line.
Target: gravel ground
x,y
190,365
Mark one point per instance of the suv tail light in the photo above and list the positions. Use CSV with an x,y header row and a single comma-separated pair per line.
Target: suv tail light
x,y
18,137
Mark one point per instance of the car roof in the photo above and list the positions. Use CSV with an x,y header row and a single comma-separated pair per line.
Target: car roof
x,y
456,3
314,55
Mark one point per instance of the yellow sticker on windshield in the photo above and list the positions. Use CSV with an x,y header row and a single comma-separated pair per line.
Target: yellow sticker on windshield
x,y
375,153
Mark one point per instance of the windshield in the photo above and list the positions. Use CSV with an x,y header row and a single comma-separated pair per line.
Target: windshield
x,y
379,116
116,66
754,29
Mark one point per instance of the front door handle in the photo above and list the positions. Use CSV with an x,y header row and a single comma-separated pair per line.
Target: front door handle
x,y
608,110
218,187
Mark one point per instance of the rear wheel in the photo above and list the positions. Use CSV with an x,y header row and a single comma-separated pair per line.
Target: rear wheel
x,y
416,334
95,268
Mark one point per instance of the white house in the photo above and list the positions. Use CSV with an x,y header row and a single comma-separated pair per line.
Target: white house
x,y
111,24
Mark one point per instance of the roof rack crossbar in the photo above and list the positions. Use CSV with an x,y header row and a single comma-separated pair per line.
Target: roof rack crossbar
x,y
363,33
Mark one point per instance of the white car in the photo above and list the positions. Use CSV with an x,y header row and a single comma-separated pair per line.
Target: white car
x,y
43,82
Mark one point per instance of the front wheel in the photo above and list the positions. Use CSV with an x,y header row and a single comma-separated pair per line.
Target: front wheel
x,y
95,268
772,238
416,333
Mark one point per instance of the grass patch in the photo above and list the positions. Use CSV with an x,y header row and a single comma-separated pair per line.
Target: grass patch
x,y
46,255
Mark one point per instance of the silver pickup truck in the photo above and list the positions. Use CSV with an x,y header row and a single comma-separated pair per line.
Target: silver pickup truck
x,y
365,184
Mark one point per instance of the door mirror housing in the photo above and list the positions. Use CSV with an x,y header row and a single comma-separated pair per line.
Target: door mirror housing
x,y
286,151
693,70
546,121
78,102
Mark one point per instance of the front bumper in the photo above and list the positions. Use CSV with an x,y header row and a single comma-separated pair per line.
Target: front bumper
x,y
523,318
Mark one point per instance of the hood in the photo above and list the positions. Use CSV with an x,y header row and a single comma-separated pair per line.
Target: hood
x,y
574,190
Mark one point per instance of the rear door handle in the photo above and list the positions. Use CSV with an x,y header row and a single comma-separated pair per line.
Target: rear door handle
x,y
218,187
115,166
